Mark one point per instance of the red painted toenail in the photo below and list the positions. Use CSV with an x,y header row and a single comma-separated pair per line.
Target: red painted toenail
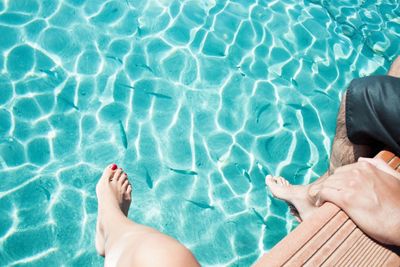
x,y
114,167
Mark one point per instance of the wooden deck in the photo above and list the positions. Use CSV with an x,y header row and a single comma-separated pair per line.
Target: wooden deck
x,y
330,238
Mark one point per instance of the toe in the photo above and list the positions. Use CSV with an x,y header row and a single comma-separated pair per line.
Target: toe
x,y
284,182
269,179
124,186
117,174
122,179
128,192
277,189
108,172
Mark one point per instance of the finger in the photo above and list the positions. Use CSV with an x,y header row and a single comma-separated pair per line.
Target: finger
x,y
382,165
346,168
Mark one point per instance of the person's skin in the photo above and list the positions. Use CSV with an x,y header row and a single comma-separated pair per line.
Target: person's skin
x,y
343,152
395,68
369,192
124,242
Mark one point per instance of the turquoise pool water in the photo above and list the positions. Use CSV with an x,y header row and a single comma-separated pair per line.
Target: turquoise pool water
x,y
196,100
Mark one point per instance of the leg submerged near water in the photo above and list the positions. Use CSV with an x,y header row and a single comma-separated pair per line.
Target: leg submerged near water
x,y
190,98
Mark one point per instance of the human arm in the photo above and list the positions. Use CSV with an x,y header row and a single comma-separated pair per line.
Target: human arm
x,y
369,192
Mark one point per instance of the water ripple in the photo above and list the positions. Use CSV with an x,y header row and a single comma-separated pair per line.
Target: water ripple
x,y
198,101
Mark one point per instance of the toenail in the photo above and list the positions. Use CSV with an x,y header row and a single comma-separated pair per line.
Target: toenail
x,y
114,167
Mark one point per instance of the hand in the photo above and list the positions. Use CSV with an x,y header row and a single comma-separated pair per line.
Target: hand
x,y
369,192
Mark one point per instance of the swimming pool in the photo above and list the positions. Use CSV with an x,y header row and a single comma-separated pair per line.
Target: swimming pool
x,y
196,100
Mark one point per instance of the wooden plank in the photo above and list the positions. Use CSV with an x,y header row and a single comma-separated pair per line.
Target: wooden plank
x,y
288,247
375,252
381,258
393,260
385,155
361,243
394,163
318,240
360,254
333,243
347,245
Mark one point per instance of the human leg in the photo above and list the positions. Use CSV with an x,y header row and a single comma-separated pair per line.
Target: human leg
x,y
124,242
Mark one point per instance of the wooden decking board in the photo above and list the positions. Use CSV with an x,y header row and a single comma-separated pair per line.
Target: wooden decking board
x,y
384,257
345,246
398,166
362,242
331,245
376,251
359,243
283,251
385,155
392,260
382,254
373,252
368,252
381,257
360,254
394,162
318,240
330,238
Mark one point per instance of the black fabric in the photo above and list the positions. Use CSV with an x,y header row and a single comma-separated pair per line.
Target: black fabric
x,y
373,112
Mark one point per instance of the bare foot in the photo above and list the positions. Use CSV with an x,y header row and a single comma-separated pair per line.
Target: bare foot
x,y
395,68
113,191
296,196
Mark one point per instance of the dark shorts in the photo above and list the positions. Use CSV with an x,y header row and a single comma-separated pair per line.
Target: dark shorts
x,y
373,112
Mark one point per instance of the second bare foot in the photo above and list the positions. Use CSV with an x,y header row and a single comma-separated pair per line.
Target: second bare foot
x,y
295,195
